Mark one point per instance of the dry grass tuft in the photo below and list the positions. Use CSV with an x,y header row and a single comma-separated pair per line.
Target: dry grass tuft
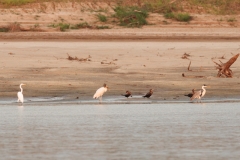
x,y
14,27
79,59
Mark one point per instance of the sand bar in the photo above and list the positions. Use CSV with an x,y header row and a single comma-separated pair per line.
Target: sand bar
x,y
124,65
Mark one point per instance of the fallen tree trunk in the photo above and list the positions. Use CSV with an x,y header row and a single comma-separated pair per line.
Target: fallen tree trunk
x,y
224,68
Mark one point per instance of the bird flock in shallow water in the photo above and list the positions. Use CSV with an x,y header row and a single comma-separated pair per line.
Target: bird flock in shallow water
x,y
99,93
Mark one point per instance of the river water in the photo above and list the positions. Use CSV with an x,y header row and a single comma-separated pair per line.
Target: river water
x,y
120,131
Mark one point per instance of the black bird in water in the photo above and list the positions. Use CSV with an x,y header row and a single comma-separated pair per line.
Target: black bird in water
x,y
190,94
128,93
149,93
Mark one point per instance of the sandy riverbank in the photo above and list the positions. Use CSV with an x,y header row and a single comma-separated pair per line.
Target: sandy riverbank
x,y
124,65
146,33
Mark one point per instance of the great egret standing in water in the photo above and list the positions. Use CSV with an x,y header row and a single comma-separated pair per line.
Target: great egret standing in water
x,y
20,94
99,93
199,94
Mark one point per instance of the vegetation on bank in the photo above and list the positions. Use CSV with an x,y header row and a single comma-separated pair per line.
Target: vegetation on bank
x,y
16,2
65,26
62,26
157,6
134,13
131,16
183,17
102,17
4,29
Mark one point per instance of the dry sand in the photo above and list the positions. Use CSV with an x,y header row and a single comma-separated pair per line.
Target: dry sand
x,y
127,65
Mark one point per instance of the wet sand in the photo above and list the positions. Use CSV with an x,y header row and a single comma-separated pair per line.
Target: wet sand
x,y
124,65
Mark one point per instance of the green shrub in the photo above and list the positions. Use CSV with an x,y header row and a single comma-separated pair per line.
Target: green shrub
x,y
232,19
4,29
183,17
81,25
131,16
102,27
102,18
169,15
62,26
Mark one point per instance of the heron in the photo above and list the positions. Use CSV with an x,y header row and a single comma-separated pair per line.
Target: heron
x,y
199,94
20,94
190,94
99,93
149,93
128,94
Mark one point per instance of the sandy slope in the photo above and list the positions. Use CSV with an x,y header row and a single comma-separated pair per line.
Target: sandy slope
x,y
135,65
41,17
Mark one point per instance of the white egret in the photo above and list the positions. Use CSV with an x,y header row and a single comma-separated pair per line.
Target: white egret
x,y
99,93
199,94
20,94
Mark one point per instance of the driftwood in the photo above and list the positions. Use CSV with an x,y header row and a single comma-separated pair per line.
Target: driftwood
x,y
185,56
79,59
112,62
108,63
183,75
189,66
224,68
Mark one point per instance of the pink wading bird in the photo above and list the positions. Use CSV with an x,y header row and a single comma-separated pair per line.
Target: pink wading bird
x,y
20,94
99,93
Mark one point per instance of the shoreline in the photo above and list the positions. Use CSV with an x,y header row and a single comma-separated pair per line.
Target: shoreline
x,y
108,100
130,34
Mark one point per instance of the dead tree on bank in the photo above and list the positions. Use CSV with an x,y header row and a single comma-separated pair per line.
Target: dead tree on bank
x,y
224,68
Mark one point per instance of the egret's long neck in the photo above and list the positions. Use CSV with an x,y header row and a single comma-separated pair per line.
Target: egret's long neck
x,y
203,88
21,88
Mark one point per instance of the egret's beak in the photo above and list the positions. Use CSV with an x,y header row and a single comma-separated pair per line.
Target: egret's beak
x,y
23,84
